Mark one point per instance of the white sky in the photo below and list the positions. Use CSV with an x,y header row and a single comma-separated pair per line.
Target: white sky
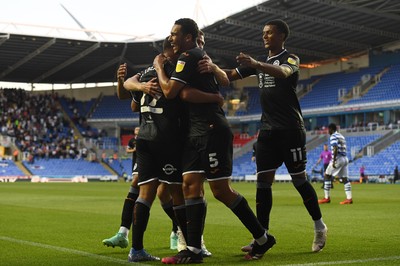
x,y
145,20
117,20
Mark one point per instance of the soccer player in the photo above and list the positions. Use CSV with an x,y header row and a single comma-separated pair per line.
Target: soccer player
x,y
208,147
282,135
120,239
337,166
131,148
159,150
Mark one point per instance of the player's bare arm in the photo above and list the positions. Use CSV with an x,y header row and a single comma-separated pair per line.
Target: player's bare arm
x,y
134,106
232,74
170,88
206,65
335,151
151,87
122,93
130,150
275,71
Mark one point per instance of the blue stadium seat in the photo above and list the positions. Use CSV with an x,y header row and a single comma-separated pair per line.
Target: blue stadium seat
x,y
65,168
111,107
9,168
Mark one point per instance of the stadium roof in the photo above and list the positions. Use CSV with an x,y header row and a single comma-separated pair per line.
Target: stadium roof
x,y
321,30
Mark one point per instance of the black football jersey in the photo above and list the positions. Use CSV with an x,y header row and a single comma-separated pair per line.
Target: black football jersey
x,y
132,144
279,103
204,116
160,119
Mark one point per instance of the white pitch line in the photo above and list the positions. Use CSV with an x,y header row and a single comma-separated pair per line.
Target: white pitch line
x,y
69,250
124,262
345,261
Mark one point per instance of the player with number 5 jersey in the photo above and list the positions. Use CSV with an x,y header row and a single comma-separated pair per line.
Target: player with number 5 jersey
x,y
207,150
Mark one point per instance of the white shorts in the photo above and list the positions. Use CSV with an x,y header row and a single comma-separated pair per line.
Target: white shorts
x,y
341,169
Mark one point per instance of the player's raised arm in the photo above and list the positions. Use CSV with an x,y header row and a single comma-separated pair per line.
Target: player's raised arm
x,y
150,87
170,88
206,65
122,93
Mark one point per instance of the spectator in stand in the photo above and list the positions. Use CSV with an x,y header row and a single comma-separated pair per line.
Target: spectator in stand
x,y
396,174
35,121
104,157
115,156
15,154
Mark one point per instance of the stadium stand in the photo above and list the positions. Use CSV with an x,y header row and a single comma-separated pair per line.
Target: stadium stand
x,y
122,167
240,139
111,107
63,168
23,114
381,163
324,93
243,165
386,89
9,168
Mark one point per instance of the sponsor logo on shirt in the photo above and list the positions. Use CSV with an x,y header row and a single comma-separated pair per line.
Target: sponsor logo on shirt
x,y
169,169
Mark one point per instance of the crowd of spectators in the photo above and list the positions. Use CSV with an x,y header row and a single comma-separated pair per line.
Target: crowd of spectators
x,y
37,124
77,112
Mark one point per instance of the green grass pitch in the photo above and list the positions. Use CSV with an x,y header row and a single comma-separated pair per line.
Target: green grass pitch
x,y
64,224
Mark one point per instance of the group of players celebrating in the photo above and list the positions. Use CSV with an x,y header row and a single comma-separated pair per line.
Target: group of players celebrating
x,y
185,139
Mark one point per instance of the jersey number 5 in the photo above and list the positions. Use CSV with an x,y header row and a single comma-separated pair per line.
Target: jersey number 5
x,y
213,160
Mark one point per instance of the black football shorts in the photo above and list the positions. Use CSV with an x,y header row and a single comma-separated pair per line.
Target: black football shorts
x,y
275,147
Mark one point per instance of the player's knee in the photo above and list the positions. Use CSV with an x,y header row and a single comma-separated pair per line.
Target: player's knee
x,y
218,194
223,194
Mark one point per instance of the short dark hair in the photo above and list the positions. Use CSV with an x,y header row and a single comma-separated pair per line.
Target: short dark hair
x,y
166,43
332,126
281,25
188,26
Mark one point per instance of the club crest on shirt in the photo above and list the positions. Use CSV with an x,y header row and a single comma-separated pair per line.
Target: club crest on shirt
x,y
276,63
180,65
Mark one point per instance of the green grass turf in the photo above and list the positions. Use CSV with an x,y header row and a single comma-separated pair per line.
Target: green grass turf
x,y
64,224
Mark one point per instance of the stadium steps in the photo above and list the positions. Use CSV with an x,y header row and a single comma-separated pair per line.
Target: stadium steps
x,y
383,142
308,89
316,142
374,81
248,147
22,167
70,122
108,168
